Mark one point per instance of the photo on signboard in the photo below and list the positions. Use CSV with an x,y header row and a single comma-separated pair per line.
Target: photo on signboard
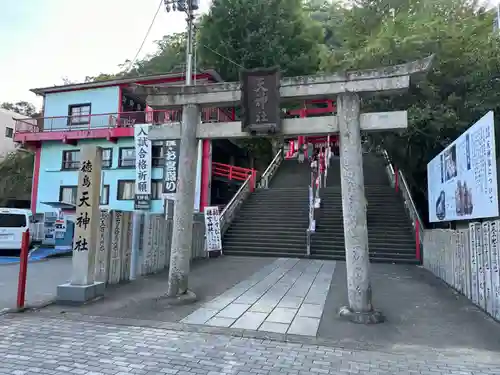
x,y
441,206
450,163
463,199
442,169
467,150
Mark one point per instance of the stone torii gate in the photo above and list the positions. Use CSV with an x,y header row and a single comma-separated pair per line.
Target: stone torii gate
x,y
347,87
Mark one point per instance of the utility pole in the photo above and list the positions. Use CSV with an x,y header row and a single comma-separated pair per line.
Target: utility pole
x,y
498,17
181,249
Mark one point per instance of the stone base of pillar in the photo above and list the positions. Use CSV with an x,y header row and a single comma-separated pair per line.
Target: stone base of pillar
x,y
183,299
371,317
69,294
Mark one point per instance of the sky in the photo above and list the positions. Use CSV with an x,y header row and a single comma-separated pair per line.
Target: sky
x,y
42,41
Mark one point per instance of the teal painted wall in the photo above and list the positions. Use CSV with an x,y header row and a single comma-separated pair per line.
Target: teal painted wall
x,y
103,101
52,177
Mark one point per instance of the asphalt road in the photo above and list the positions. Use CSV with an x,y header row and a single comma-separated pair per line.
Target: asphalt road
x,y
43,278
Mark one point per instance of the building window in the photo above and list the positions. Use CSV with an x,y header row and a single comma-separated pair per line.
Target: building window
x,y
104,195
107,157
9,132
126,190
156,189
127,157
157,156
79,114
71,159
67,194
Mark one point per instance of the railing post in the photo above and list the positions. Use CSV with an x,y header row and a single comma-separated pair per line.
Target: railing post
x,y
230,172
396,179
252,183
23,269
418,254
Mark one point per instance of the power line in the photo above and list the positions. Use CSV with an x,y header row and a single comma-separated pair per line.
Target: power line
x,y
145,37
224,57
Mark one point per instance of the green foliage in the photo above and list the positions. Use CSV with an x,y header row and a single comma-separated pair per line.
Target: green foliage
x,y
16,173
238,34
16,168
23,108
169,57
461,87
259,33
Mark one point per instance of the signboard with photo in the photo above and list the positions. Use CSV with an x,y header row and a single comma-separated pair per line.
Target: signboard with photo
x,y
462,179
170,173
212,228
142,168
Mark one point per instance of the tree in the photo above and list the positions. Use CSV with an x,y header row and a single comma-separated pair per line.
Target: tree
x,y
16,174
16,168
170,56
260,33
23,108
461,87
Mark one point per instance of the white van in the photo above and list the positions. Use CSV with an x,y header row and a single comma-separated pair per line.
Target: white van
x,y
13,222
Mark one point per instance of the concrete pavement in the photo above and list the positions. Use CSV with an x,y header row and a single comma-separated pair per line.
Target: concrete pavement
x,y
42,281
32,345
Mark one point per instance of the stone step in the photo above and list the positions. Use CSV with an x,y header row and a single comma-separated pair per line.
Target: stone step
x,y
372,239
265,249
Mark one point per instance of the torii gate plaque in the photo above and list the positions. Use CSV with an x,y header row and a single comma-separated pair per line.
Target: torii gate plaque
x,y
347,87
260,101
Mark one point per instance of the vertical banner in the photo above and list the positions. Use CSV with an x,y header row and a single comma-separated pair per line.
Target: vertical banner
x,y
473,263
170,173
212,229
142,167
495,276
486,268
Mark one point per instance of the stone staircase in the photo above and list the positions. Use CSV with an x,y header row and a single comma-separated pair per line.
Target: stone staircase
x,y
273,222
390,232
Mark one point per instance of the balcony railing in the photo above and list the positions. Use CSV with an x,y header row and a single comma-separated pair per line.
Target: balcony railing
x,y
114,120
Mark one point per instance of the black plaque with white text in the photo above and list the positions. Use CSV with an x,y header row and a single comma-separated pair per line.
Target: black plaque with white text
x,y
260,101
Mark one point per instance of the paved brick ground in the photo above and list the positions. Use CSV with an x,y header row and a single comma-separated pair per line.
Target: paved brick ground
x,y
43,278
141,299
287,296
30,345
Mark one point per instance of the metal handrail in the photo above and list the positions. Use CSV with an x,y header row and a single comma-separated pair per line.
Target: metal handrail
x,y
230,210
234,204
395,179
270,170
406,189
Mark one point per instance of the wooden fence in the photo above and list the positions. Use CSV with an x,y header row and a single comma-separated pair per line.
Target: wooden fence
x,y
114,249
468,260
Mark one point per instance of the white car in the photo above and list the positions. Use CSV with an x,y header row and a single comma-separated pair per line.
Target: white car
x,y
13,223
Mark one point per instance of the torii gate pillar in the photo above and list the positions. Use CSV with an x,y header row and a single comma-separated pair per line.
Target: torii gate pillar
x,y
354,207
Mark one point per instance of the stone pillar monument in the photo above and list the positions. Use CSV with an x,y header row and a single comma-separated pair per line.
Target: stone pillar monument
x,y
83,286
